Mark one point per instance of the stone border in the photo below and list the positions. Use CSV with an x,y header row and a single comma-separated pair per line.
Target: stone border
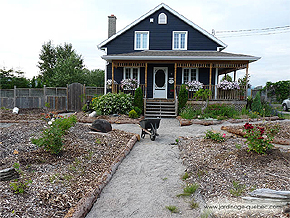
x,y
86,203
185,122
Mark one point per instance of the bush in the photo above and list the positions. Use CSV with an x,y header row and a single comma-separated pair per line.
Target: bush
x,y
182,97
220,111
113,103
215,136
189,113
138,111
257,105
133,114
51,138
138,99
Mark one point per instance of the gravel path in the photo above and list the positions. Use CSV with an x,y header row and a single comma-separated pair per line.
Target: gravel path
x,y
149,178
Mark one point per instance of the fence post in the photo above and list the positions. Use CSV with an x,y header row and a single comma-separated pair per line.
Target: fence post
x,y
15,92
44,96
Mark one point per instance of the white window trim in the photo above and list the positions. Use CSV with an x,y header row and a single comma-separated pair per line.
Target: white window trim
x,y
165,22
189,76
135,41
131,72
185,44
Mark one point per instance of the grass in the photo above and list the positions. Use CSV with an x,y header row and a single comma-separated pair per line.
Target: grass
x,y
185,176
172,209
237,189
189,190
193,204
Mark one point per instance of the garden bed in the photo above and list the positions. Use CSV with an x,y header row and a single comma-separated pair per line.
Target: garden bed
x,y
58,182
216,166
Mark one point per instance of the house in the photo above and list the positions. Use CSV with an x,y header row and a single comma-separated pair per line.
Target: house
x,y
163,50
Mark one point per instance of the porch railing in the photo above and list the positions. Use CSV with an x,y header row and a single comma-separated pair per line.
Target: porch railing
x,y
118,88
216,93
219,94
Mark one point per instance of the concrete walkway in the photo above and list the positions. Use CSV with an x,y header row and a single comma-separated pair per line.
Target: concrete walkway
x,y
149,178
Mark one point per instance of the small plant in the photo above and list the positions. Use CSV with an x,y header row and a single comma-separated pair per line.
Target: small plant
x,y
133,114
257,105
182,97
47,105
201,173
185,176
189,190
165,178
98,141
215,136
172,209
189,113
237,189
19,187
238,146
51,138
205,214
193,204
258,138
16,166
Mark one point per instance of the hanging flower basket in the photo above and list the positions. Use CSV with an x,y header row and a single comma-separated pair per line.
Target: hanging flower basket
x,y
194,85
129,84
226,85
109,83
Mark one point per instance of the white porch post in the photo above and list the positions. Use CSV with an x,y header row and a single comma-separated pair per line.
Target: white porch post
x,y
216,82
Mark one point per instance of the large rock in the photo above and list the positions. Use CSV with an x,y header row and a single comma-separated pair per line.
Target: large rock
x,y
101,126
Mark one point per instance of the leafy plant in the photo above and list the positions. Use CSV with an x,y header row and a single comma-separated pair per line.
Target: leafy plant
x,y
51,138
172,209
237,189
113,103
182,97
215,136
138,111
133,114
19,187
258,138
189,113
220,111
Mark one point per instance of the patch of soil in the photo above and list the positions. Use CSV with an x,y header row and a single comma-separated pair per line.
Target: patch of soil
x,y
215,166
58,181
27,114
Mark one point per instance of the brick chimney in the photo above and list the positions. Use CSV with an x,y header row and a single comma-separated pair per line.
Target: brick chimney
x,y
111,25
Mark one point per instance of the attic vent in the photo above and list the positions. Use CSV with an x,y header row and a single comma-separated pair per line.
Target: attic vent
x,y
162,18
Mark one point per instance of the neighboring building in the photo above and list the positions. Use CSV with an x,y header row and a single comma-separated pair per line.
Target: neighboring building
x,y
162,50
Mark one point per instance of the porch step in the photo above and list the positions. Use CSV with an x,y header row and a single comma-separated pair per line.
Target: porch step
x,y
160,108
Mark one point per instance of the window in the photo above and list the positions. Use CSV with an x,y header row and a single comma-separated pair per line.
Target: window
x,y
162,18
189,74
132,73
141,40
179,40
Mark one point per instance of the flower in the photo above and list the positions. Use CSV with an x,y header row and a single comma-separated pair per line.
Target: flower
x,y
49,122
109,82
129,84
226,85
194,85
224,135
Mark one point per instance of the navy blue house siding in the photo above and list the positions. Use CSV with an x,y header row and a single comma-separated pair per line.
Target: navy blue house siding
x,y
160,36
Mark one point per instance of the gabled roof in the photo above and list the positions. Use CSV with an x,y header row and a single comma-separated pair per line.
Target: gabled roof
x,y
181,55
162,5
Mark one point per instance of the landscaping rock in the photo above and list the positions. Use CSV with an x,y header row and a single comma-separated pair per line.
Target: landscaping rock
x,y
93,114
8,174
101,126
269,193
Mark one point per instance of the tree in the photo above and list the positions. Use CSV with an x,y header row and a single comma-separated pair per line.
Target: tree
x,y
60,65
94,77
227,78
10,78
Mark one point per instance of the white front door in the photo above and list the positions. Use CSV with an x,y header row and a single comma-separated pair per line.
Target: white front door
x,y
160,82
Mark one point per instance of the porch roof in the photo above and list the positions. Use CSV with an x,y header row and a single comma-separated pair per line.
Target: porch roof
x,y
171,55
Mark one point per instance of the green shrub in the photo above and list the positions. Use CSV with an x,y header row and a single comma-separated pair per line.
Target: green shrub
x,y
19,187
51,138
189,113
257,105
113,103
220,111
138,111
182,97
133,114
215,136
138,99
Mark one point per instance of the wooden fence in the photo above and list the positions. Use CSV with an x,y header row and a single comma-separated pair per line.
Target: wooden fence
x,y
70,98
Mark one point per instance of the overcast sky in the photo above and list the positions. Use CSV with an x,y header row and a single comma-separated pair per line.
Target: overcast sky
x,y
27,24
